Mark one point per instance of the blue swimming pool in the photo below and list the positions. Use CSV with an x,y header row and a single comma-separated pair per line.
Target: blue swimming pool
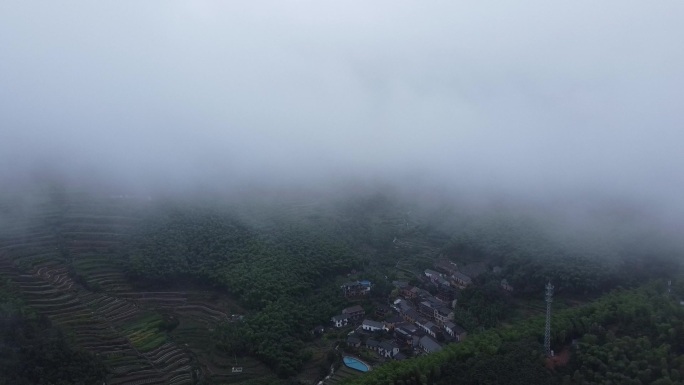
x,y
355,364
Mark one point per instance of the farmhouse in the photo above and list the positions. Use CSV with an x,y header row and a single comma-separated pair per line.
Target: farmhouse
x,y
443,314
372,326
354,312
455,331
461,280
446,266
356,289
372,344
428,327
388,349
429,345
433,275
354,342
341,320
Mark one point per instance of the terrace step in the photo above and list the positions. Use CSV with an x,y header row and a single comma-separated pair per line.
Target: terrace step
x,y
139,378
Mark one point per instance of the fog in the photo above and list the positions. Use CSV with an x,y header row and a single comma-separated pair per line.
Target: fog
x,y
529,100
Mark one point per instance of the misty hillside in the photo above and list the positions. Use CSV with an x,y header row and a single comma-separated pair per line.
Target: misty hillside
x,y
331,193
161,289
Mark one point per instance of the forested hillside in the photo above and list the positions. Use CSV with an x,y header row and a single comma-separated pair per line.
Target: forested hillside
x,y
287,275
178,291
582,259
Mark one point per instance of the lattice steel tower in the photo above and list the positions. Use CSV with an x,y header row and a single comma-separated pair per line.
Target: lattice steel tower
x,y
547,330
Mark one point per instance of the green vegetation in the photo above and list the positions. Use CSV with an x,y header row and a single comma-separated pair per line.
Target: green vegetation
x,y
286,276
33,351
530,253
146,333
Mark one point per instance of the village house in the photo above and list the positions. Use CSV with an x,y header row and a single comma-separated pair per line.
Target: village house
x,y
429,345
505,285
402,305
408,328
381,311
446,267
354,312
408,292
416,339
341,320
425,309
455,331
372,344
388,349
441,282
434,309
402,336
436,278
419,293
432,275
353,342
446,293
461,280
372,326
356,289
392,322
436,332
428,327
411,315
443,314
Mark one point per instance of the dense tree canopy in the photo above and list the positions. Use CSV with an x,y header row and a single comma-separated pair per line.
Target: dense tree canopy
x,y
285,273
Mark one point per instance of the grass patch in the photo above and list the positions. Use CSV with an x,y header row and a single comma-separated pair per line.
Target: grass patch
x,y
146,333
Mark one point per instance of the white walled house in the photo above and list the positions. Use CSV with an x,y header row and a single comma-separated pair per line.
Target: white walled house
x,y
341,320
372,326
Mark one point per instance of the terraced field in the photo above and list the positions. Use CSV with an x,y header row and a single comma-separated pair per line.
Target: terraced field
x,y
64,261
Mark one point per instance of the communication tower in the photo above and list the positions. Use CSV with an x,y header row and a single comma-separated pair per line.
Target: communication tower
x,y
547,330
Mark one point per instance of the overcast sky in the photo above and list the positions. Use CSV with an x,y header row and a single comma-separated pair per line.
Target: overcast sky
x,y
520,97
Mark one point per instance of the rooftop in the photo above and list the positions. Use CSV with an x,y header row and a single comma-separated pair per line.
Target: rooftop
x,y
388,345
353,309
373,324
430,345
340,317
462,277
353,340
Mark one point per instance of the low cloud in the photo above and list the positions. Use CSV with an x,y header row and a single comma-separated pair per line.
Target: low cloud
x,y
528,99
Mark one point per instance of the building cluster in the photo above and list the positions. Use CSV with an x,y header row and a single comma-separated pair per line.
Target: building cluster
x,y
417,320
349,315
450,275
426,319
356,289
